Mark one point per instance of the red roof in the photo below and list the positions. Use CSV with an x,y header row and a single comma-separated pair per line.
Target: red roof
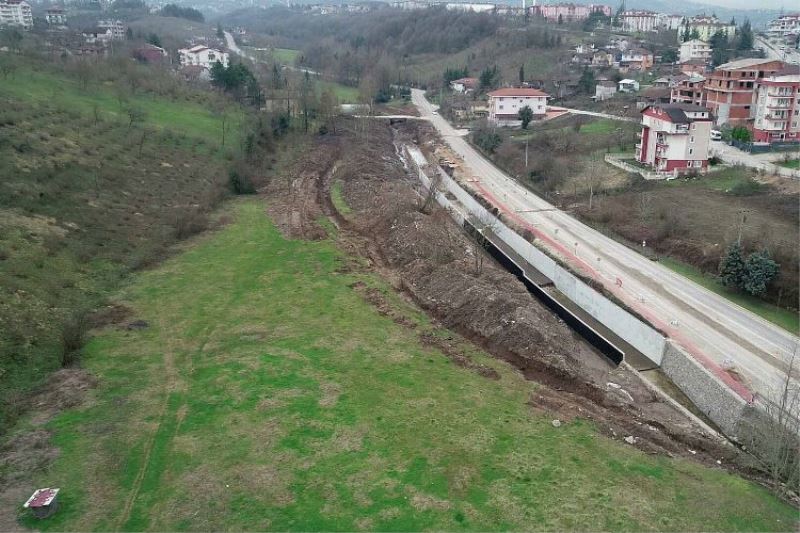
x,y
513,91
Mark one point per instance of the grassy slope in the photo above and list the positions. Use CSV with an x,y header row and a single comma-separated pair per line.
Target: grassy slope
x,y
267,394
80,205
38,86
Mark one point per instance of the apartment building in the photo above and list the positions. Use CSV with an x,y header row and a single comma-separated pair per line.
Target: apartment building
x,y
777,108
16,13
639,21
675,138
115,27
56,16
694,49
730,89
706,27
202,56
568,12
785,25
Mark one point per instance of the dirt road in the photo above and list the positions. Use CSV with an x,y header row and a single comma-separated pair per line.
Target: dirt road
x,y
717,332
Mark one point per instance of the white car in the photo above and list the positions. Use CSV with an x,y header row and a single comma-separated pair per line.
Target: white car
x,y
716,135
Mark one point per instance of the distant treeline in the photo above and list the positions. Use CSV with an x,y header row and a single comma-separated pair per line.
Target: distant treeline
x,y
188,13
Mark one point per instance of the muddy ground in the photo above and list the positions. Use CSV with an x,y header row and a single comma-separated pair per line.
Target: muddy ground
x,y
433,263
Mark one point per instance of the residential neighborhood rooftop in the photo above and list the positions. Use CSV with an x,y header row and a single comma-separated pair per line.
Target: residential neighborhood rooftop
x,y
517,91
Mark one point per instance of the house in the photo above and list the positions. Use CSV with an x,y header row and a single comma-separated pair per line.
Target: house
x,y
777,107
150,53
636,59
604,90
628,86
16,13
97,35
464,85
56,16
602,58
504,104
675,138
116,27
202,56
705,27
694,49
664,81
688,89
652,96
693,66
730,89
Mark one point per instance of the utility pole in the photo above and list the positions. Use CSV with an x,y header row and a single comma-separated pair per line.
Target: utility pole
x,y
741,226
527,136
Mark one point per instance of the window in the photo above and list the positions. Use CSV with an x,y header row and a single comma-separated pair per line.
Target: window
x,y
691,138
691,151
688,164
500,106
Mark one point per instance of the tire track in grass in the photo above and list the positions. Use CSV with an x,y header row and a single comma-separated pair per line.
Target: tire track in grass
x,y
170,418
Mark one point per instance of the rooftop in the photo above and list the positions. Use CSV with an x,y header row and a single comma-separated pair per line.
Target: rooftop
x,y
514,91
744,63
678,113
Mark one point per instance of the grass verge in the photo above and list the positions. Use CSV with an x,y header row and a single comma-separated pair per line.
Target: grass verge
x,y
267,393
784,318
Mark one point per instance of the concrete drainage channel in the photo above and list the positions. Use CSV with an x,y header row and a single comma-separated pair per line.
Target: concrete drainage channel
x,y
666,368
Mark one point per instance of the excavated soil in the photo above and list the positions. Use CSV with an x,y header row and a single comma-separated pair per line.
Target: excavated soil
x,y
433,263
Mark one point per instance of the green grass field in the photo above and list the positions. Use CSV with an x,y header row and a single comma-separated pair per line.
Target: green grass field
x,y
784,318
44,86
345,94
286,55
792,163
266,393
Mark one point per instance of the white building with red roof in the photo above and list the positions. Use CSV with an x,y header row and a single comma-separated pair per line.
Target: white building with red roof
x,y
202,56
504,104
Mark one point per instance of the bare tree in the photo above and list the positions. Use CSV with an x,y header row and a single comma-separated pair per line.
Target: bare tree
x,y
429,199
135,115
483,225
774,440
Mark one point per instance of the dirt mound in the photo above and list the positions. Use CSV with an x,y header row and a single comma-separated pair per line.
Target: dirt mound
x,y
64,389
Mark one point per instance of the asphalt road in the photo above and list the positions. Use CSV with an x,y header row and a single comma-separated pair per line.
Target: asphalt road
x,y
717,332
771,50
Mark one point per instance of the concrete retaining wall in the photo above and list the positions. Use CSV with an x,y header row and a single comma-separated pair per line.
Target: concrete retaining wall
x,y
719,403
638,334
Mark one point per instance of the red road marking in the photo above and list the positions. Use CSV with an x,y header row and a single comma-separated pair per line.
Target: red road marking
x,y
673,333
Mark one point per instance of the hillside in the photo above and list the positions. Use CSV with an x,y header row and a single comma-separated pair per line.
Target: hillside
x,y
97,180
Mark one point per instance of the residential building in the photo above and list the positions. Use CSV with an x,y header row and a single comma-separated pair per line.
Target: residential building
x,y
669,22
730,89
693,66
96,35
56,16
777,108
116,27
568,12
675,138
150,53
785,25
504,104
688,89
694,49
639,21
652,96
202,56
16,13
628,86
706,27
604,90
636,59
464,85
602,58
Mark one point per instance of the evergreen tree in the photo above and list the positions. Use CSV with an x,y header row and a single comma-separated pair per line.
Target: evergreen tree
x,y
525,115
586,82
521,74
686,34
760,270
745,37
732,268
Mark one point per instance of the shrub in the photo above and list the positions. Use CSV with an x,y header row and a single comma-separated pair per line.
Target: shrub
x,y
73,336
240,183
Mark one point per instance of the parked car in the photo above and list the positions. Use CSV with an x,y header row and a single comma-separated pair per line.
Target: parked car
x,y
716,135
